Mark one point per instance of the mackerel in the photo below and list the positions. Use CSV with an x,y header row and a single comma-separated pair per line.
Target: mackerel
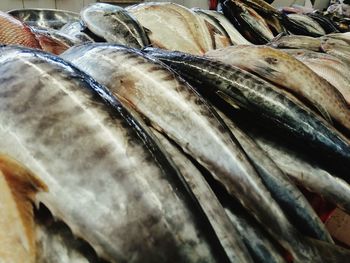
x,y
108,179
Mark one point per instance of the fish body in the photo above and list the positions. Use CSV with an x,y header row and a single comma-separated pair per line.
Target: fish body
x,y
282,188
306,22
249,22
108,180
297,42
218,34
252,94
285,71
181,29
225,161
326,23
76,30
340,51
235,36
114,24
18,190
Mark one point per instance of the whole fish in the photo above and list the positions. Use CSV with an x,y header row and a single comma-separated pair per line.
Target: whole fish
x,y
45,18
304,172
281,187
14,32
307,23
108,179
327,24
55,242
181,29
224,229
289,73
237,87
76,30
251,25
297,42
219,35
18,188
235,36
194,127
114,24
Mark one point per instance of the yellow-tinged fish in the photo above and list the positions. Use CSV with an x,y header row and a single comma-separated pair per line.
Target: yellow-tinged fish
x,y
290,74
18,187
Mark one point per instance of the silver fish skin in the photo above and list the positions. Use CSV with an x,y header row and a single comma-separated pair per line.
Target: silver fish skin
x,y
55,242
262,249
290,199
296,42
75,29
235,36
235,87
224,229
68,40
307,22
114,24
108,180
305,173
173,107
287,72
219,36
45,18
181,29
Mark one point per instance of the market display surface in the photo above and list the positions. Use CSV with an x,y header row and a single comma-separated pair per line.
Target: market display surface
x,y
158,133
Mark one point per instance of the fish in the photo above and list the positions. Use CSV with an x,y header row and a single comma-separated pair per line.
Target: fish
x,y
290,74
303,24
45,18
228,85
55,241
14,32
235,36
19,188
224,229
64,39
304,172
250,24
340,51
194,127
296,42
219,35
342,36
290,199
181,29
76,30
328,67
114,24
109,181
327,24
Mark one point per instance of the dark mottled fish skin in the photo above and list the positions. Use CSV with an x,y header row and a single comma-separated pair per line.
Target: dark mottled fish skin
x,y
258,96
251,25
297,27
114,24
305,21
224,229
162,94
108,179
325,22
290,199
260,247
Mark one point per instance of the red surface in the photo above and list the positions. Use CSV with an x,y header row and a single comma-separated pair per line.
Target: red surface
x,y
213,4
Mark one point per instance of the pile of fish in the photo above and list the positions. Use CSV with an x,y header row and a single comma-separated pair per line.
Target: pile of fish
x,y
176,143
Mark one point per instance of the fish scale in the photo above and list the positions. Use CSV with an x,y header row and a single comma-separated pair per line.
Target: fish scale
x,y
108,180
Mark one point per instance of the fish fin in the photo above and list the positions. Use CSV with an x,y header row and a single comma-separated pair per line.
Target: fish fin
x,y
22,186
228,99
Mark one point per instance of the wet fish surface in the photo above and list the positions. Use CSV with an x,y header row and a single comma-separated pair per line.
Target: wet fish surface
x,y
310,25
108,180
299,42
76,30
114,24
289,73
